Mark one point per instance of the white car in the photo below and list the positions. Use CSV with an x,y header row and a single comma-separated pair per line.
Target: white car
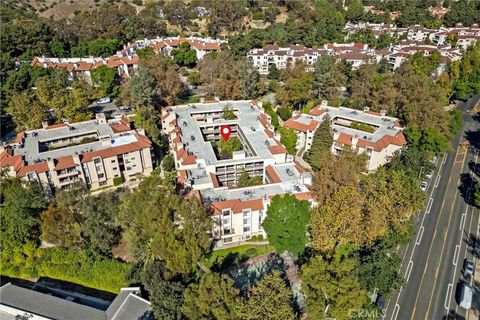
x,y
429,175
424,186
433,160
104,100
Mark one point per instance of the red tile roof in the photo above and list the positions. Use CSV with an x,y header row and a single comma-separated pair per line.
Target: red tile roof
x,y
56,126
237,205
293,124
36,167
272,174
64,163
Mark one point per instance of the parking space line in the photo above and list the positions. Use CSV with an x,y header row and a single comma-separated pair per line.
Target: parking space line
x,y
429,205
419,235
409,270
462,221
448,296
455,255
395,312
437,180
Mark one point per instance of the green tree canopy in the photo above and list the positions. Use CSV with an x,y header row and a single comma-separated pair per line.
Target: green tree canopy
x,y
214,297
287,223
107,80
160,225
21,204
331,282
288,137
185,55
270,299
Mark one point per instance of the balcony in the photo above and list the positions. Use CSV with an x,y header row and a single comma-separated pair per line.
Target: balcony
x,y
66,173
228,232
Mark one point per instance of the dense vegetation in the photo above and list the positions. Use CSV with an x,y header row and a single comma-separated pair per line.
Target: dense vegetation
x,y
346,245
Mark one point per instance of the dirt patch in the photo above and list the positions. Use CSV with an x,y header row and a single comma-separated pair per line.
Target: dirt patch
x,y
122,252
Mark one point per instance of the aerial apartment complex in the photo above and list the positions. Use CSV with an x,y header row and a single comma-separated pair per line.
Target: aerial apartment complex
x,y
358,53
194,132
126,60
98,153
375,134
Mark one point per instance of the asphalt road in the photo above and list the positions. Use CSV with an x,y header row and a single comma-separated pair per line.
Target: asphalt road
x,y
433,261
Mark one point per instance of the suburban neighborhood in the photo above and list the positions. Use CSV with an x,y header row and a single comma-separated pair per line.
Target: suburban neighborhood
x,y
240,160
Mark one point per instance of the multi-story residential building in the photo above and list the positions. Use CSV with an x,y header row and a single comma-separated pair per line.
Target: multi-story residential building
x,y
126,60
44,303
82,67
202,46
194,132
354,53
98,153
375,134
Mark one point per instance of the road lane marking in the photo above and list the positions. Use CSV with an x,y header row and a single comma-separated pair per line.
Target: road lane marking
x,y
429,205
395,312
409,270
462,221
444,159
448,296
456,254
437,180
419,236
443,242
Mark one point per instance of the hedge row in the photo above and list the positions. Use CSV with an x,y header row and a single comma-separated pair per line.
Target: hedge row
x,y
80,267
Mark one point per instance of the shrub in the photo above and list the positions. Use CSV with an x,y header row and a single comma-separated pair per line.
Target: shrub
x,y
285,113
117,181
80,267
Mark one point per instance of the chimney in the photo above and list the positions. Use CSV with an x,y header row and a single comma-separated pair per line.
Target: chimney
x,y
366,109
383,112
44,124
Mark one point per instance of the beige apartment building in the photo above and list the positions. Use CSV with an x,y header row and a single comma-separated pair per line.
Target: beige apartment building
x,y
98,153
375,134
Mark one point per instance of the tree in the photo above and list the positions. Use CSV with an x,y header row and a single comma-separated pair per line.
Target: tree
x,y
148,118
107,80
57,48
227,147
463,11
296,90
288,137
331,287
338,221
245,180
26,111
21,204
285,113
96,47
321,144
184,56
287,223
249,79
334,172
77,103
168,85
476,194
160,225
98,226
326,78
52,92
273,72
214,297
355,11
269,299
378,267
141,86
61,227
228,113
165,296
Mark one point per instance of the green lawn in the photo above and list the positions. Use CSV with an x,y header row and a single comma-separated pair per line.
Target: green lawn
x,y
227,257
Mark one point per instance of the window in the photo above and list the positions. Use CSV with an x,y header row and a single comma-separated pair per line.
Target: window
x,y
246,213
101,175
114,168
113,161
226,212
246,229
226,221
128,168
226,240
97,160
246,221
103,183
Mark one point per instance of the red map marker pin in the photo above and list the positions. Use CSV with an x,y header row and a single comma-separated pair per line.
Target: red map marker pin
x,y
225,131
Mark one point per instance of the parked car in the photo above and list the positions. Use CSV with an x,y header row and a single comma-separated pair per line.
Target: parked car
x,y
465,298
429,175
124,108
424,186
104,100
468,268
